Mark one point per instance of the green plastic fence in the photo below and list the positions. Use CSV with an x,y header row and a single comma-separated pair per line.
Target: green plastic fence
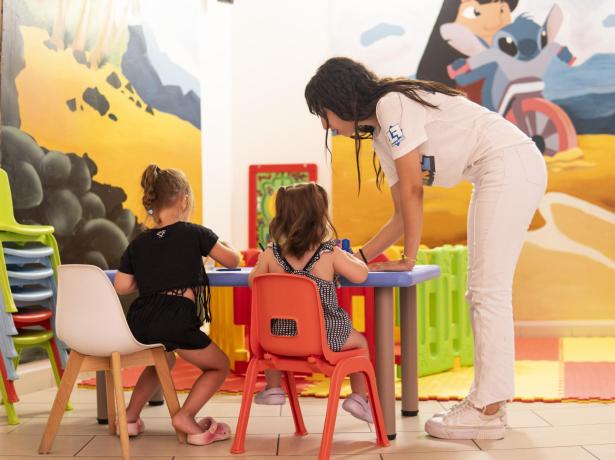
x,y
444,329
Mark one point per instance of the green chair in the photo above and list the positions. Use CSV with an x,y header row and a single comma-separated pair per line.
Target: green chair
x,y
13,231
29,338
8,395
7,218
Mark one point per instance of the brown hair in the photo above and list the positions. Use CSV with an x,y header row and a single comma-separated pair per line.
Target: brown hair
x,y
162,188
351,91
302,218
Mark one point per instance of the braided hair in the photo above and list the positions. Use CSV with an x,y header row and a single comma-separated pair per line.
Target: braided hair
x,y
162,188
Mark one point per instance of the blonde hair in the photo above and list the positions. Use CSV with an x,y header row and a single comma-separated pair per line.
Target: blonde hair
x,y
162,188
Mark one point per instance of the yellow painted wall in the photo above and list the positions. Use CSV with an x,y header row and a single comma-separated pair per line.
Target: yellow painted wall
x,y
121,149
567,266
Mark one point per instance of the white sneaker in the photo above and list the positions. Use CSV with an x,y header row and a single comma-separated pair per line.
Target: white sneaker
x,y
464,421
270,397
465,401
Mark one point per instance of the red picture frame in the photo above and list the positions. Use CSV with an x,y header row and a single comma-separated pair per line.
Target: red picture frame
x,y
287,174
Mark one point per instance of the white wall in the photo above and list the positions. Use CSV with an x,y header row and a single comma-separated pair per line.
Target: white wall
x,y
216,123
277,47
257,57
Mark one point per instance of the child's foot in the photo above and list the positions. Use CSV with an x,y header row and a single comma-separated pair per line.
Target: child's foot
x,y
185,424
358,407
270,396
212,432
134,428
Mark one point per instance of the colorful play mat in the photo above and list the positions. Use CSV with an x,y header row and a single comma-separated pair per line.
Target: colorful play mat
x,y
546,369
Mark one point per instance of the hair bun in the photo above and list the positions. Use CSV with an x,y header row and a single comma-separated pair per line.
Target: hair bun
x,y
148,182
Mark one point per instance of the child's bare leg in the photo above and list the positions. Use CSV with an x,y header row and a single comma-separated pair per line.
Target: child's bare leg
x,y
357,380
273,378
215,366
144,389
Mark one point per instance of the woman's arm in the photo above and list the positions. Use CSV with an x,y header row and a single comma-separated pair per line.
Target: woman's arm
x,y
410,204
225,254
124,283
389,233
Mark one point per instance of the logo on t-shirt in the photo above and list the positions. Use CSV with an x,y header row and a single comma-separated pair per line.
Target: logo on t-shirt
x,y
160,234
395,135
428,167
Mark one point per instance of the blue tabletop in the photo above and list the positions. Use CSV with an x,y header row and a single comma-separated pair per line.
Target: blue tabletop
x,y
221,277
239,277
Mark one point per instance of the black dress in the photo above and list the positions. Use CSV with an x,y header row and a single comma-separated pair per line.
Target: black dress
x,y
166,262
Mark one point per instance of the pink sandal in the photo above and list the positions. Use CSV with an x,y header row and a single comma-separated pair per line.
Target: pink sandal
x,y
134,428
213,431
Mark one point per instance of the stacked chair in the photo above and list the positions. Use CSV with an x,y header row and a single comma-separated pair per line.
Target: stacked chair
x,y
28,261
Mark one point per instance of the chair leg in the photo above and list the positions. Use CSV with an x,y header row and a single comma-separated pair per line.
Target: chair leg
x,y
8,405
54,347
168,388
55,366
291,390
111,415
246,404
75,360
116,370
374,400
335,387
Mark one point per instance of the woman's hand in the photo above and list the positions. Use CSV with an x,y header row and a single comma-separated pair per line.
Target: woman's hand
x,y
402,265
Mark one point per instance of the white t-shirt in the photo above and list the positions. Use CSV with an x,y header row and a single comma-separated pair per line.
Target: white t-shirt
x,y
449,138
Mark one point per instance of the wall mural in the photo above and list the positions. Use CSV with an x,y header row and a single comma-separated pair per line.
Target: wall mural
x,y
547,66
91,93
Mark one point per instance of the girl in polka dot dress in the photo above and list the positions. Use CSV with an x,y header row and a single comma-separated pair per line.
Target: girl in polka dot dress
x,y
302,235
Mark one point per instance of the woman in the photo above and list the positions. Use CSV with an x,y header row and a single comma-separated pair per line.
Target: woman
x,y
425,133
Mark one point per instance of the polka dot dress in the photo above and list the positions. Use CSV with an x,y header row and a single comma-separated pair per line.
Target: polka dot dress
x,y
337,321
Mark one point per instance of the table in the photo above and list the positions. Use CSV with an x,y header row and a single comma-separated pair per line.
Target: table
x,y
383,284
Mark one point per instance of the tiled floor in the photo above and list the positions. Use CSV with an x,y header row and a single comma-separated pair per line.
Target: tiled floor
x,y
538,431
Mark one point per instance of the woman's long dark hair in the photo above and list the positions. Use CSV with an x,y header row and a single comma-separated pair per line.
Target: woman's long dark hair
x,y
351,91
438,53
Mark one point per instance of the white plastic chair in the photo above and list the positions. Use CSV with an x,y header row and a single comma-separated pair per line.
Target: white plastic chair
x,y
90,320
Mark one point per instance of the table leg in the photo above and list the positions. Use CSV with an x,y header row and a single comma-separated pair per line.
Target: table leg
x,y
157,399
101,398
385,356
409,352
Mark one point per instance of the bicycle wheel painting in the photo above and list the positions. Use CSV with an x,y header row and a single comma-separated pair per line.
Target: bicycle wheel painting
x,y
92,92
265,180
547,67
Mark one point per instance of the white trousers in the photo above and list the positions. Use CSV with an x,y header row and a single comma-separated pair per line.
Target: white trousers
x,y
508,187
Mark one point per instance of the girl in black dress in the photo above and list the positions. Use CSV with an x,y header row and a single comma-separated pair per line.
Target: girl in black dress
x,y
165,264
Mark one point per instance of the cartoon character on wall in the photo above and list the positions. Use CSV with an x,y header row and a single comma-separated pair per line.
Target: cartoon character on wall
x,y
512,70
483,17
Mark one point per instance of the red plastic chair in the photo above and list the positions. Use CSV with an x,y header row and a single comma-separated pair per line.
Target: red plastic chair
x,y
293,297
38,316
242,299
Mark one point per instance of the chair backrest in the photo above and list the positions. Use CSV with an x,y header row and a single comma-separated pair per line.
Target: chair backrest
x,y
89,316
290,297
6,201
